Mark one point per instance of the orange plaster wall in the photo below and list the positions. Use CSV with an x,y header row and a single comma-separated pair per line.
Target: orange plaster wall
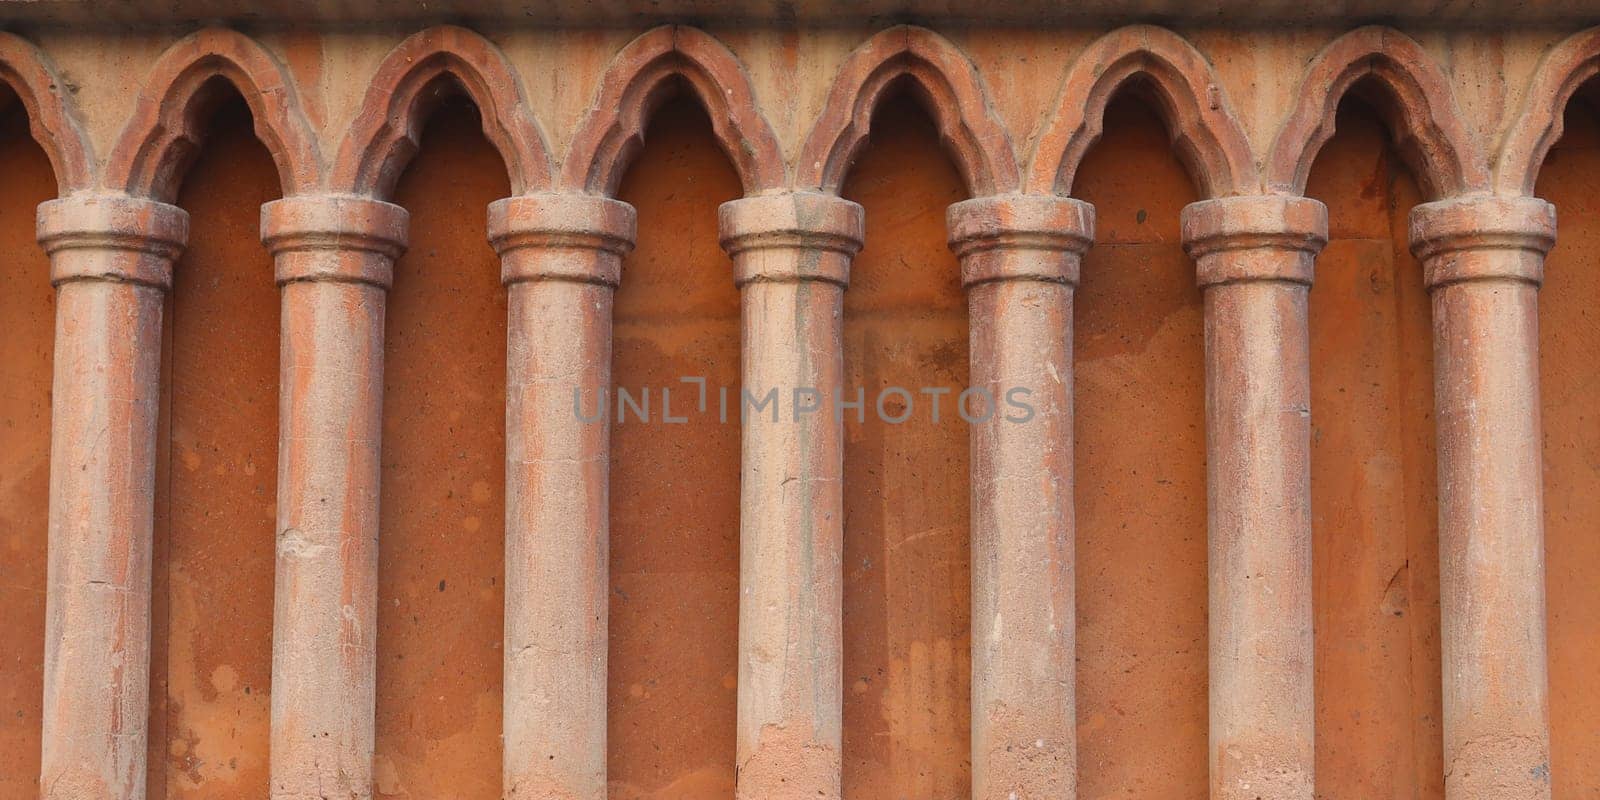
x,y
1569,348
1140,463
27,309
216,488
1375,562
675,487
907,591
441,550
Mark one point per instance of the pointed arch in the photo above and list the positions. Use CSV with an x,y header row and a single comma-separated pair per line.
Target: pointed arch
x,y
640,78
1561,73
952,91
1422,113
1206,134
167,125
51,114
387,130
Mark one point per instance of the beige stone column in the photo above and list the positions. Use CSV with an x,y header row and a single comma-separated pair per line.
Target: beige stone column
x,y
561,258
111,262
1254,258
1483,259
791,255
335,260
1020,257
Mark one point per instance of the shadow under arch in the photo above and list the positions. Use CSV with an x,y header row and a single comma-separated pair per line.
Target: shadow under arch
x,y
438,712
1140,468
1374,507
214,540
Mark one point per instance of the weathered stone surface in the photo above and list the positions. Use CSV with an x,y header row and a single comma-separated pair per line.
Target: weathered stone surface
x,y
334,259
121,115
1253,258
1020,262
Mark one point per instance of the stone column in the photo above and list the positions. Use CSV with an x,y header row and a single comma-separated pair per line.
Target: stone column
x,y
1020,257
1483,260
111,262
1254,258
791,255
335,260
561,259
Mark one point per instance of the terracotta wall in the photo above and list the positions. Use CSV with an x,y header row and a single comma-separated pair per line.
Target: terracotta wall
x,y
27,309
440,555
1375,540
1569,345
1140,462
216,491
907,651
675,487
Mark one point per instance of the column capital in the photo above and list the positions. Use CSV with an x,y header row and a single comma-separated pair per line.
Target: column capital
x,y
1468,239
792,221
335,225
149,234
987,227
1259,231
571,229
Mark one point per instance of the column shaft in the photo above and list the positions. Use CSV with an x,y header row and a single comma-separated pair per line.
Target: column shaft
x,y
111,262
1020,258
791,258
334,257
1254,258
1483,259
562,257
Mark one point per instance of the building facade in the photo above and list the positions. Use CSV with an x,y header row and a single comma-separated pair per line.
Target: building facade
x,y
786,401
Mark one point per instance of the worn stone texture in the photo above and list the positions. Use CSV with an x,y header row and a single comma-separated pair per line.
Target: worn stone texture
x,y
1284,532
